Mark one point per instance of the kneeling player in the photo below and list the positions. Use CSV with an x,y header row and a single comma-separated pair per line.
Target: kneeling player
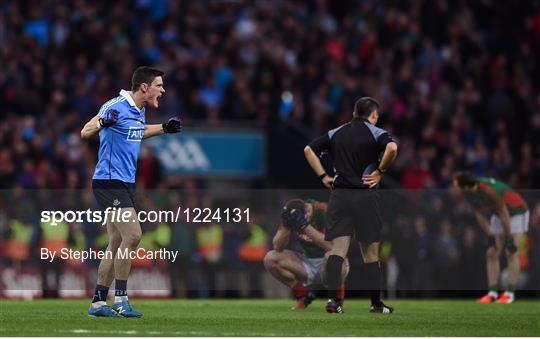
x,y
300,270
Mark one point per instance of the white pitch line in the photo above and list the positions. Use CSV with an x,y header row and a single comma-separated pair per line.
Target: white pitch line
x,y
159,333
82,330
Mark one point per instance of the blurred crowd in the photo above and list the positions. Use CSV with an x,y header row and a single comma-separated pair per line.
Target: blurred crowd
x,y
457,80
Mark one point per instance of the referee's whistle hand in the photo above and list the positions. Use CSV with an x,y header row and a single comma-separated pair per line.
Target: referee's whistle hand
x,y
372,179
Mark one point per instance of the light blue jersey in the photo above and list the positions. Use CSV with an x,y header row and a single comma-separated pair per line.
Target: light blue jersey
x,y
120,143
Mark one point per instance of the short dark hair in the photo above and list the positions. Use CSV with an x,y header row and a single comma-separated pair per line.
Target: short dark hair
x,y
298,204
465,179
144,75
364,106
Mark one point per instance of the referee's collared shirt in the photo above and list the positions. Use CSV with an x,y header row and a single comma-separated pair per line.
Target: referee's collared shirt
x,y
355,149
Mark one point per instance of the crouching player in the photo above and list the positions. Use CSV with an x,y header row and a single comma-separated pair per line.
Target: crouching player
x,y
306,220
509,221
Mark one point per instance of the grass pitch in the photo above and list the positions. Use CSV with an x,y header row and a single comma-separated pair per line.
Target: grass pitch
x,y
272,318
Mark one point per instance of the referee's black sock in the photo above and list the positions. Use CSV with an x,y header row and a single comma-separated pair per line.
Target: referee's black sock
x,y
120,287
333,275
373,276
100,294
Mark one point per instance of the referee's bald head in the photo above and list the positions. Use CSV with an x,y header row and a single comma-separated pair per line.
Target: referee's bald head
x,y
364,106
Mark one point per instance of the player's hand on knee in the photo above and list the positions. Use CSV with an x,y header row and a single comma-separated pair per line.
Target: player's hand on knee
x,y
509,245
111,117
173,125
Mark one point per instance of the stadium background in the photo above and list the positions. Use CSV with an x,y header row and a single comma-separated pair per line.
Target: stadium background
x,y
458,83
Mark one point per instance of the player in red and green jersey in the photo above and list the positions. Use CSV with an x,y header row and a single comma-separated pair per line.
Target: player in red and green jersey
x,y
307,221
509,221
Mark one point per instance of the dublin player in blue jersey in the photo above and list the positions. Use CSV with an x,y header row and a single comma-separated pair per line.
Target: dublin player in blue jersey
x,y
121,125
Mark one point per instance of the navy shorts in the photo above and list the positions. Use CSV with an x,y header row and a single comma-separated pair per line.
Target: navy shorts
x,y
114,193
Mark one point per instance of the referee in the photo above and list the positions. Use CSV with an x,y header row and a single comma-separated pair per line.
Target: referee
x,y
121,125
360,153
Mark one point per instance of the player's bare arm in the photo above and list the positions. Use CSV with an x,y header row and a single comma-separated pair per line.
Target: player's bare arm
x,y
504,215
153,130
98,122
318,238
317,167
281,239
482,221
90,128
389,155
173,125
501,210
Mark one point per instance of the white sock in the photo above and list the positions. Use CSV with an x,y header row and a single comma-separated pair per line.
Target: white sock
x,y
510,294
493,294
120,299
98,304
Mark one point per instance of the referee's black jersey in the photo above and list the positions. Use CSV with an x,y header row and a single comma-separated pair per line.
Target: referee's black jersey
x,y
355,149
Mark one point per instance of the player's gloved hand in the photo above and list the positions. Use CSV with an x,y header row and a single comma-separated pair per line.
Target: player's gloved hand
x,y
111,117
294,219
509,245
174,125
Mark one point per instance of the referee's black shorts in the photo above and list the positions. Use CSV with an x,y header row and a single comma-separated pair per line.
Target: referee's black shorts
x,y
356,213
114,193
